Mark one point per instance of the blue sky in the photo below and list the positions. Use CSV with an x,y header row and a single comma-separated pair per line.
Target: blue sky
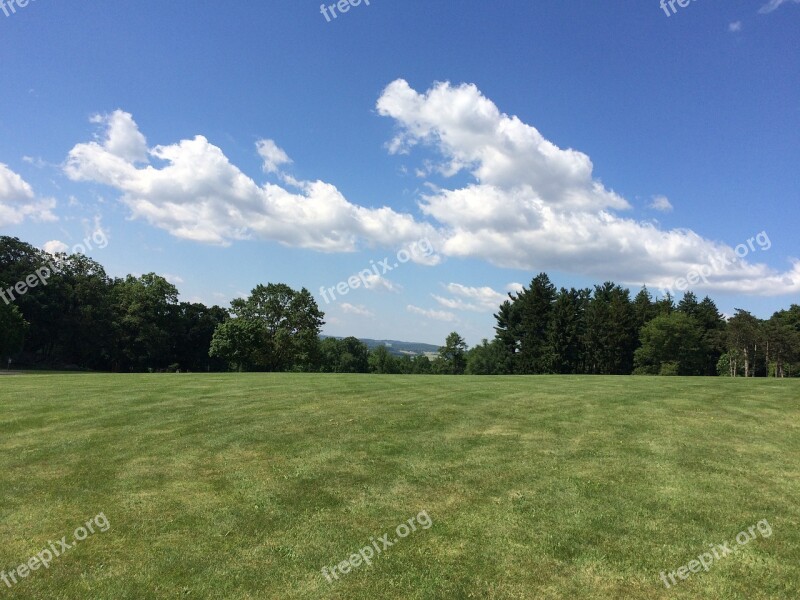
x,y
224,146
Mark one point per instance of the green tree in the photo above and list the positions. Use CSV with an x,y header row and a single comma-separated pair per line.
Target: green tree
x,y
665,305
567,331
240,343
712,325
453,355
671,345
645,310
535,313
281,330
507,331
12,332
382,362
782,338
611,331
83,333
43,306
194,330
743,335
348,355
487,358
145,311
421,365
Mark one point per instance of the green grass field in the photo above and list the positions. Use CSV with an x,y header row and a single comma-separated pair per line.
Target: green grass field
x,y
246,486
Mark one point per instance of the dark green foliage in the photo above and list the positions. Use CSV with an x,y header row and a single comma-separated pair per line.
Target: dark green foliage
x,y
488,358
671,345
566,334
535,307
381,362
12,332
453,356
80,318
275,329
344,356
601,331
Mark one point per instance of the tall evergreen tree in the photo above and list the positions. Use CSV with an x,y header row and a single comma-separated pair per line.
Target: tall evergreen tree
x,y
611,331
453,355
644,308
567,331
507,331
712,325
535,313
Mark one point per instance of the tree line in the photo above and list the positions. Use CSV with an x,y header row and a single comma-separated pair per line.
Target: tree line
x,y
603,331
82,319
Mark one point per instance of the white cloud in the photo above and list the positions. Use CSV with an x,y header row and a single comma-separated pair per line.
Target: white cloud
x,y
531,205
123,138
357,310
735,27
18,202
661,204
500,151
477,299
55,247
436,315
173,279
274,157
197,194
378,283
534,206
774,5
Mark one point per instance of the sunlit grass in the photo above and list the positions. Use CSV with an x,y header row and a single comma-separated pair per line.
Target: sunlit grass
x,y
246,486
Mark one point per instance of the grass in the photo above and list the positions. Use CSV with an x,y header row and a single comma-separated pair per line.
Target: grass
x,y
245,486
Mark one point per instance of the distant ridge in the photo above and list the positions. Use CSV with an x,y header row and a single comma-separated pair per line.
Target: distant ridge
x,y
395,347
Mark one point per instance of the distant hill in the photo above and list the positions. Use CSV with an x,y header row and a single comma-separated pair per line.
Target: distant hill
x,y
398,348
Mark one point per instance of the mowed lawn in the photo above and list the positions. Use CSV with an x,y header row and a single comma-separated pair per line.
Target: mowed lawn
x,y
246,486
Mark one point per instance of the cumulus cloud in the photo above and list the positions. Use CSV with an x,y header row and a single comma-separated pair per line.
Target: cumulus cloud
x,y
18,201
123,138
274,157
356,309
173,279
534,206
195,193
735,27
661,204
477,299
774,5
55,247
528,204
500,151
378,283
436,315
